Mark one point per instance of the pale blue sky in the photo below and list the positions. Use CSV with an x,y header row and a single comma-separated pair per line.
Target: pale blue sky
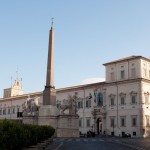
x,y
88,33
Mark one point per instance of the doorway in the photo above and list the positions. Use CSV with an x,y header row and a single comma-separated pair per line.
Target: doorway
x,y
99,126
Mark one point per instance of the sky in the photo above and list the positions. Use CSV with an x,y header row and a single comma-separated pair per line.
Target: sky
x,y
88,33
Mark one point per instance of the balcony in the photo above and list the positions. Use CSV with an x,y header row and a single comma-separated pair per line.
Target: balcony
x,y
99,111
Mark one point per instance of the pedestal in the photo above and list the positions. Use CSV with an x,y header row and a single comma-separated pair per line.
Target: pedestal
x,y
68,126
29,119
48,115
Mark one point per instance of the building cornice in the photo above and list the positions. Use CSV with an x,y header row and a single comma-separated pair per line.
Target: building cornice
x,y
126,59
123,82
24,96
75,88
80,87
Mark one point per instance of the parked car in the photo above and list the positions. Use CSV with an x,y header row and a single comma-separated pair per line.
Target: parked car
x,y
90,134
126,135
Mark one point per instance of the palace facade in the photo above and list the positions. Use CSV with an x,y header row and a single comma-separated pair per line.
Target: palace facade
x,y
117,106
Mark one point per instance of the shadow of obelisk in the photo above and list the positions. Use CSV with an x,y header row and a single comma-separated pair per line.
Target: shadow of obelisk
x,y
48,112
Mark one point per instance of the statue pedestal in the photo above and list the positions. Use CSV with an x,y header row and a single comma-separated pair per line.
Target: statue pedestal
x,y
48,115
68,126
30,119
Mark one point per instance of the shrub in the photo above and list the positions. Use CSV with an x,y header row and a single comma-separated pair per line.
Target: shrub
x,y
16,136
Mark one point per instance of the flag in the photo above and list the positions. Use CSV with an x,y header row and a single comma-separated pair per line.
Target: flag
x,y
90,96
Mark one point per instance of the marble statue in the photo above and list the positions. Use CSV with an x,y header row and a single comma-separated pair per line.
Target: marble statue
x,y
70,104
31,106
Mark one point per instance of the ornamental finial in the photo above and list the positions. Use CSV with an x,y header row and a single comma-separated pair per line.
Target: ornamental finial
x,y
52,22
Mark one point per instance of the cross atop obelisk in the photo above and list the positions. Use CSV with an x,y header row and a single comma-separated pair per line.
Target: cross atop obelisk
x,y
49,93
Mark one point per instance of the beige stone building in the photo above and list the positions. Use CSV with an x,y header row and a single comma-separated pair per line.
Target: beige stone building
x,y
117,106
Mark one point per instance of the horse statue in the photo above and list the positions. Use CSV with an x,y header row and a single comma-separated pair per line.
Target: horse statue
x,y
35,104
30,106
70,104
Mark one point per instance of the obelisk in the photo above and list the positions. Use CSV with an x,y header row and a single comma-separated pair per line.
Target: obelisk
x,y
49,93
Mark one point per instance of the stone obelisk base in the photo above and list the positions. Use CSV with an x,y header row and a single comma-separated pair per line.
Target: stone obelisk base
x,y
68,126
48,115
65,125
49,96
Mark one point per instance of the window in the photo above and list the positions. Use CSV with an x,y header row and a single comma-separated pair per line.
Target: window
x,y
133,97
13,110
122,74
0,112
80,122
122,121
147,120
122,101
149,73
132,64
4,111
122,98
112,101
112,68
8,110
146,98
88,102
88,122
134,120
112,121
100,99
80,104
133,73
112,76
144,71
